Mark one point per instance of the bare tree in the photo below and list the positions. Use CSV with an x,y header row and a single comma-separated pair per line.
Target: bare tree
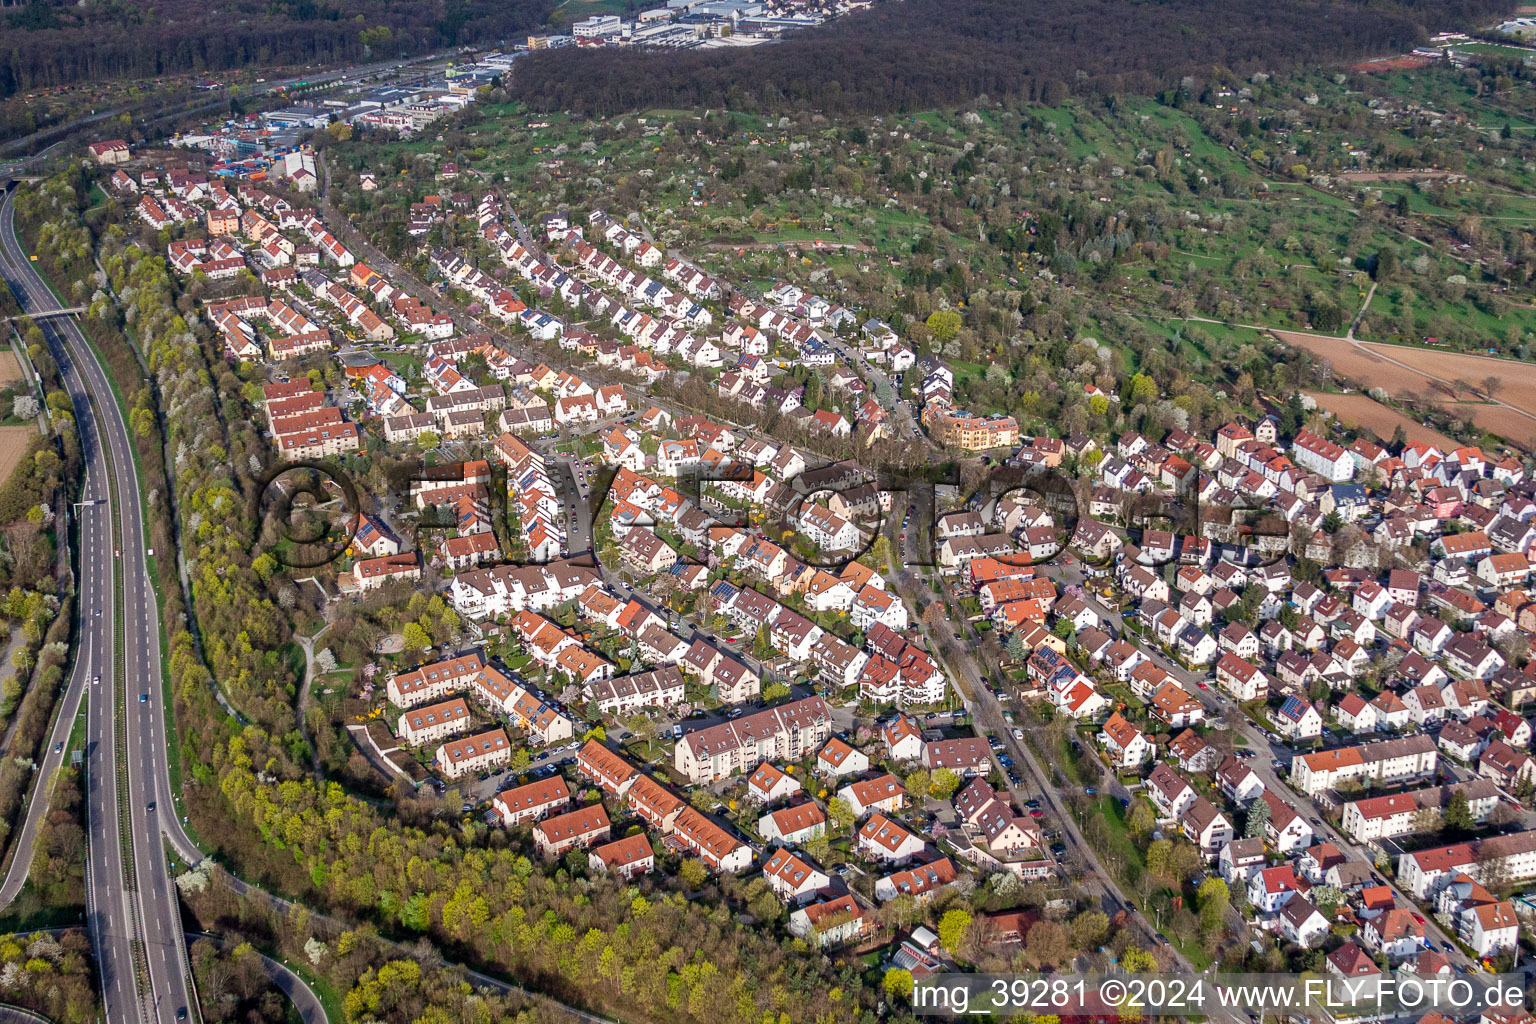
x,y
1491,386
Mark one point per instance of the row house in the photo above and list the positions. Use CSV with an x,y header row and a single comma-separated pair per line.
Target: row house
x,y
626,858
532,801
420,726
695,833
621,695
507,589
573,830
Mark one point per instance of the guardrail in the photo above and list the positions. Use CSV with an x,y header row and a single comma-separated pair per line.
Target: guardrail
x,y
129,880
12,1014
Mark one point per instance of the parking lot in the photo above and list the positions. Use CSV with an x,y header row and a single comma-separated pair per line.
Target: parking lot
x,y
486,785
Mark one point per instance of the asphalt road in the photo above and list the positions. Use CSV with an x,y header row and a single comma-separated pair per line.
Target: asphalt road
x,y
304,1000
975,687
475,978
133,914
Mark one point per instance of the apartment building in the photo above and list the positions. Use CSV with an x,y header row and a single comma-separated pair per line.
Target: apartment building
x,y
792,879
1323,457
1383,817
434,681
373,573
883,839
784,733
1424,873
796,824
830,922
956,428
1387,762
530,802
305,440
471,754
420,726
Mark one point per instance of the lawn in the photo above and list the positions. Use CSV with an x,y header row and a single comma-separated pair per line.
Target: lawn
x,y
1122,856
1120,844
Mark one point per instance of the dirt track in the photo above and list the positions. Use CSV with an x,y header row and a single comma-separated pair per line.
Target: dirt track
x,y
1393,175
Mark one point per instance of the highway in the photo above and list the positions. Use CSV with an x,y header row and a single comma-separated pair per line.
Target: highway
x,y
142,915
132,910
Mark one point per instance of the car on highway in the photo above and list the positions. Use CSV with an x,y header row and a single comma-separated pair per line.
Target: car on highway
x,y
143,698
96,681
150,806
58,748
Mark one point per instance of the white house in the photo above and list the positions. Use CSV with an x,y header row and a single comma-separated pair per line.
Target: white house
x,y
1297,719
1125,745
1301,922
